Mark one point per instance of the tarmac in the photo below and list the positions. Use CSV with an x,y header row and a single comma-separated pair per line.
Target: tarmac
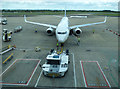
x,y
94,63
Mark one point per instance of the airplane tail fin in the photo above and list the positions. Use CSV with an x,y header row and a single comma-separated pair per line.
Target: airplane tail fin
x,y
65,12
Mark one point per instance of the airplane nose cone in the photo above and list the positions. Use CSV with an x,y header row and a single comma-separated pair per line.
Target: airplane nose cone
x,y
61,41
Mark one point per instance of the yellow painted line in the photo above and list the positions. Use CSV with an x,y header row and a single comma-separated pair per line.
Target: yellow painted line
x,y
61,49
8,58
58,50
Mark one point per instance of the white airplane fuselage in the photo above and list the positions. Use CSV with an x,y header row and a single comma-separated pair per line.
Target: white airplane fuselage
x,y
62,31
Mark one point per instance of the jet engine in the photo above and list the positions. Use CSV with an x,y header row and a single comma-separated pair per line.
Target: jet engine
x,y
77,32
50,31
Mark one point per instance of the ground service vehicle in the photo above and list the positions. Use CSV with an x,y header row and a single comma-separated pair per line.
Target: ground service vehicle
x,y
18,29
6,35
3,21
56,65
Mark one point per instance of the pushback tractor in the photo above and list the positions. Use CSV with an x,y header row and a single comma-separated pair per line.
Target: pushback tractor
x,y
56,65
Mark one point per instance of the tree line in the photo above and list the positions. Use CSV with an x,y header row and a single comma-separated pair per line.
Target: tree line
x,y
9,10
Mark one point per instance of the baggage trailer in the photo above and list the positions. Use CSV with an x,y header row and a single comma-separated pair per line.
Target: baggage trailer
x,y
18,29
7,49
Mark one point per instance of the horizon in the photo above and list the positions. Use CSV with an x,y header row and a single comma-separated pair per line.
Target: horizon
x,y
112,5
59,10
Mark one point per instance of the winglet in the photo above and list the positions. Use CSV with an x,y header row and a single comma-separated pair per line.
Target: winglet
x,y
105,19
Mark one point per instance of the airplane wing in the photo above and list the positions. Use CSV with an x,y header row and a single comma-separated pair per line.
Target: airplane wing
x,y
46,25
83,25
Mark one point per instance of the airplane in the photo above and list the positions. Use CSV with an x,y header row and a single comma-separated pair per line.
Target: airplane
x,y
63,30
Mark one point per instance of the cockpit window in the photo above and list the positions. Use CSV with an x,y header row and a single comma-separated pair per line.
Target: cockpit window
x,y
62,32
53,62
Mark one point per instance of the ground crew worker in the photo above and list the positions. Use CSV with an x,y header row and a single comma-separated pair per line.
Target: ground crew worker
x,y
93,31
9,46
36,30
9,36
57,45
5,37
78,40
14,46
61,44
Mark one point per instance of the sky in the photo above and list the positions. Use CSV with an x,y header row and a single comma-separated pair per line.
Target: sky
x,y
61,4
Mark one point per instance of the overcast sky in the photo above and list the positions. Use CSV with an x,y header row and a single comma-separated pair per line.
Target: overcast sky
x,y
61,4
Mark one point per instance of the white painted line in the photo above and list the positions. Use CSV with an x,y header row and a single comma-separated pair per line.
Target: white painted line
x,y
29,59
38,78
33,72
15,84
104,75
8,68
89,61
74,70
83,75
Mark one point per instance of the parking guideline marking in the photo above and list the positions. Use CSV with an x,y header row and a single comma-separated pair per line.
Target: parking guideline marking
x,y
84,77
8,68
22,84
74,70
83,74
38,78
33,73
103,75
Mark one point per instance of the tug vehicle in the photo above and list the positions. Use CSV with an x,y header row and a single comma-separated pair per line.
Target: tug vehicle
x,y
3,21
56,65
6,35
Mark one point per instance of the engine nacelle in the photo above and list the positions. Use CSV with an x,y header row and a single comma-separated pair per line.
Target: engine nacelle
x,y
77,32
50,31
